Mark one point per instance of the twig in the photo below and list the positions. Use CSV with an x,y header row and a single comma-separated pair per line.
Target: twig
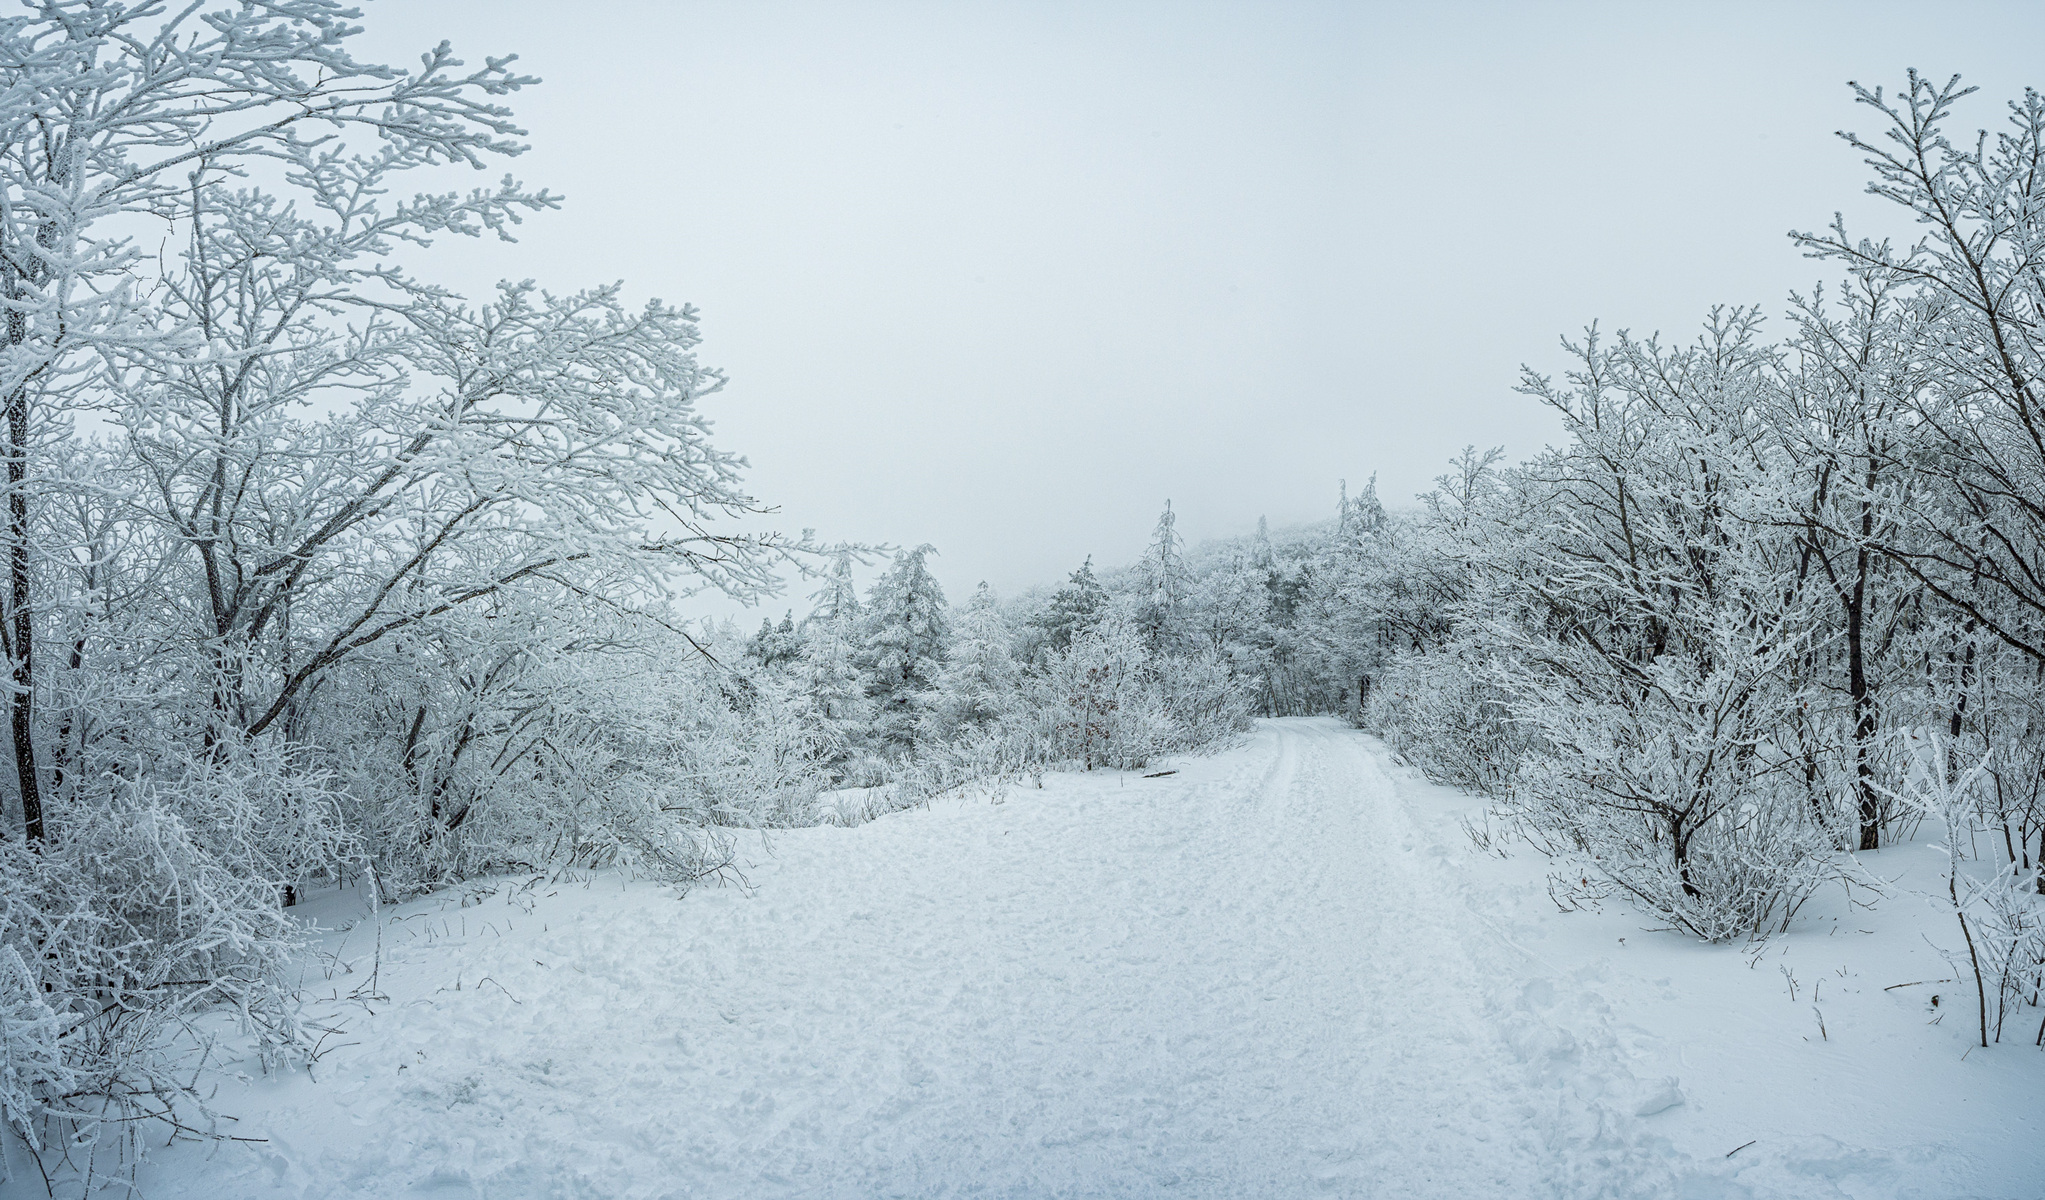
x,y
500,987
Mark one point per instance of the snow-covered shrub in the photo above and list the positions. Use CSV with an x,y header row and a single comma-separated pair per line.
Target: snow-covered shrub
x,y
1447,713
1667,774
756,757
619,746
2000,912
1204,698
2010,922
1101,698
154,903
1106,700
261,809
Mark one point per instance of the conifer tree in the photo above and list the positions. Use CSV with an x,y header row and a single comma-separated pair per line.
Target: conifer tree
x,y
1165,577
776,645
1163,562
978,681
1364,516
906,632
829,667
1075,608
837,602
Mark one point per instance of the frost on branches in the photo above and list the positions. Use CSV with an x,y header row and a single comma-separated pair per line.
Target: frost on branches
x,y
348,577
1700,645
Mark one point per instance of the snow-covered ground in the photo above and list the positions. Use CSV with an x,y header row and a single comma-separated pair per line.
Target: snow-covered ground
x,y
1282,971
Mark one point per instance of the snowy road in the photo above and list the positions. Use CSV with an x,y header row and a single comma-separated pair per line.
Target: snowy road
x,y
1248,979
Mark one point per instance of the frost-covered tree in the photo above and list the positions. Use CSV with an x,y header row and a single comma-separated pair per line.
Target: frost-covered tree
x,y
1848,446
1659,656
119,114
776,646
907,628
1164,562
1073,609
829,671
1101,695
977,684
341,571
1165,582
1362,517
1972,273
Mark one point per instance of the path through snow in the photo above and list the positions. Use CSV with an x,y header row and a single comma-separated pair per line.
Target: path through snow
x,y
1253,978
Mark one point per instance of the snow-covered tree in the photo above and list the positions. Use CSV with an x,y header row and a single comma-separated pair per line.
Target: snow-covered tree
x,y
977,684
776,646
1073,609
829,671
907,628
1362,517
339,570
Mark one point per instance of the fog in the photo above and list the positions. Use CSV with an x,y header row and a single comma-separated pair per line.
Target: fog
x,y
1004,278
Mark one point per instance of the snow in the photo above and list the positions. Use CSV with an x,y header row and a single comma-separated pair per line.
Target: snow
x,y
1282,971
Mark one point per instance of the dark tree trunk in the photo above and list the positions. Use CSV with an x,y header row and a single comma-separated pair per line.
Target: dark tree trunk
x,y
21,701
1863,711
21,622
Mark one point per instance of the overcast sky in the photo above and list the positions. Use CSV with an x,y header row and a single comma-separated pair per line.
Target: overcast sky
x,y
1004,277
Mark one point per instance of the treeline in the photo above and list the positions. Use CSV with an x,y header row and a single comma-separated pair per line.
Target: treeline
x,y
899,694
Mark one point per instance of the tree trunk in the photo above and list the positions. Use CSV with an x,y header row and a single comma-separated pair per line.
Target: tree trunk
x,y
1863,712
21,700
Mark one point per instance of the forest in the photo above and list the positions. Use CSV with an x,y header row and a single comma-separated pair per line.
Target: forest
x,y
321,575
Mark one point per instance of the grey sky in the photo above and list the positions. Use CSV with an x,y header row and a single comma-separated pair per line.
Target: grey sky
x,y
1003,277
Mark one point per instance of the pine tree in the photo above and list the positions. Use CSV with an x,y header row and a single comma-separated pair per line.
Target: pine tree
x,y
979,679
1163,562
1165,576
829,669
906,632
837,602
776,645
1074,608
1362,517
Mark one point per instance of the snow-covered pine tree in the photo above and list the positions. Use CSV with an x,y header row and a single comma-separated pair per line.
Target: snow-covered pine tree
x,y
1074,609
837,601
1365,515
1164,572
776,646
978,681
1164,562
906,631
829,668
